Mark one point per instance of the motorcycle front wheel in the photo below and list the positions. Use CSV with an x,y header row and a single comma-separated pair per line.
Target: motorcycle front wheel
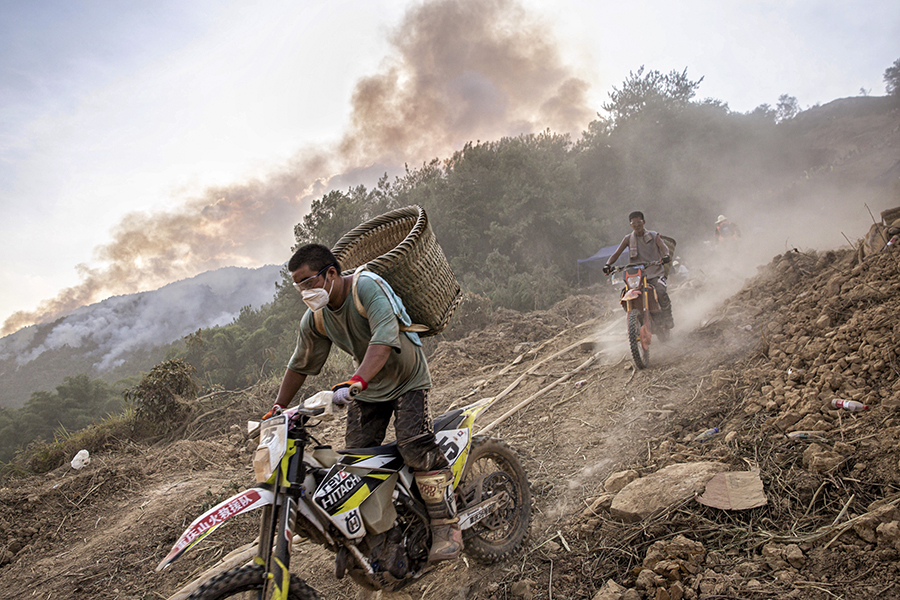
x,y
246,583
641,357
491,468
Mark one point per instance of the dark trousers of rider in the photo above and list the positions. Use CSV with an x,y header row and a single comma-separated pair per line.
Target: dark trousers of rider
x,y
367,423
662,295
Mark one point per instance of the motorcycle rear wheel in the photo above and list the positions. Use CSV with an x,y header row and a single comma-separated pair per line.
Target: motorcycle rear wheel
x,y
641,357
494,467
246,583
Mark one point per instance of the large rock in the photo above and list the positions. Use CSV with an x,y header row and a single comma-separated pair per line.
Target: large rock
x,y
615,482
610,591
643,497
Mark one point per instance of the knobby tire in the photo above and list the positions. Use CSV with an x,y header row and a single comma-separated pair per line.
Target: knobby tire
x,y
502,533
641,357
244,580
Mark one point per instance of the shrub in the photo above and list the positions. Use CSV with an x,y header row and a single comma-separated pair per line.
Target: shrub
x,y
162,398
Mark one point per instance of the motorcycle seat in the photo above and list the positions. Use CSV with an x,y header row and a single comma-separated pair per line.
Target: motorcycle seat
x,y
389,449
445,420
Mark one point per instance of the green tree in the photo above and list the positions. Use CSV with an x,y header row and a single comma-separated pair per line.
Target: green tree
x,y
892,79
336,213
764,111
76,403
652,91
787,108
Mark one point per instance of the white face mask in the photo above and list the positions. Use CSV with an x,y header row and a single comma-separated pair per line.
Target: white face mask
x,y
316,298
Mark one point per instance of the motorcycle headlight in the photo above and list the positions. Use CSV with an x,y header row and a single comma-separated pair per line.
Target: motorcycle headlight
x,y
633,281
272,447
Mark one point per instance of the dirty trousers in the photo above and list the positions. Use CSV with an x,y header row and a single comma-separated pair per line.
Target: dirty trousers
x,y
367,423
662,295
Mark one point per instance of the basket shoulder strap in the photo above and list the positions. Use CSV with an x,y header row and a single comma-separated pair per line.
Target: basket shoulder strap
x,y
356,301
413,328
319,322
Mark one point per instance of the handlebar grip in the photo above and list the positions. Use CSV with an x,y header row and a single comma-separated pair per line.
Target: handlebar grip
x,y
355,388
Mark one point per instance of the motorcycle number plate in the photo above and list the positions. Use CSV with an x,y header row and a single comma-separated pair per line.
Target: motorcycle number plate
x,y
273,436
452,443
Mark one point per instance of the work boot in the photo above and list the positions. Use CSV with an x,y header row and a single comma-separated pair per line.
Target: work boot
x,y
446,539
668,321
436,490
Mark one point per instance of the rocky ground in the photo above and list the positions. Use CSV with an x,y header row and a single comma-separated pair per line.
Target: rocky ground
x,y
598,440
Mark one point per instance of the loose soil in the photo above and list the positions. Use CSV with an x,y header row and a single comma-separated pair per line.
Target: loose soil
x,y
809,328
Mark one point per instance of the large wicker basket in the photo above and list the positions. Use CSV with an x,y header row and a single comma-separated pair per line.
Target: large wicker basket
x,y
400,247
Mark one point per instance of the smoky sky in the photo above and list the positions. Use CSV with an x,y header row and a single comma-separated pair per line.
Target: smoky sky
x,y
457,72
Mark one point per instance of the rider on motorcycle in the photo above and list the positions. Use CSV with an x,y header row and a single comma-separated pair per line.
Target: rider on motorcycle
x,y
392,372
645,247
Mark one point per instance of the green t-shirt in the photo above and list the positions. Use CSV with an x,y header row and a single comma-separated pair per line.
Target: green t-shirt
x,y
405,369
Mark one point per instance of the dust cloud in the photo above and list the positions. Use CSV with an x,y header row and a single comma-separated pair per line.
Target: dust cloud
x,y
816,219
458,71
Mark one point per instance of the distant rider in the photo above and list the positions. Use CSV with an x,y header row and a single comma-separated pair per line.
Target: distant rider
x,y
645,247
392,372
726,230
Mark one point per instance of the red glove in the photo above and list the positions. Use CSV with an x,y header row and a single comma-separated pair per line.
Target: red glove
x,y
344,392
272,412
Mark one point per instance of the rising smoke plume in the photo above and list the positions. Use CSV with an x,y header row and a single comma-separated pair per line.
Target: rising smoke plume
x,y
459,71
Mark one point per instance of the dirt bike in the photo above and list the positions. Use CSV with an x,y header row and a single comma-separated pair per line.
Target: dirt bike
x,y
363,504
640,303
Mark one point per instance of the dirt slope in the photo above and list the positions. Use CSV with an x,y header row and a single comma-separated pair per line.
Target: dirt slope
x,y
810,327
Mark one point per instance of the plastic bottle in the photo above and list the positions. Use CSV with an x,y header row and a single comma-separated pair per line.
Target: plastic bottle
x,y
851,405
800,435
706,434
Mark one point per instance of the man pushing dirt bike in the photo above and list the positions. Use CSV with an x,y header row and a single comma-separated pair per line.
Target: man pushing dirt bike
x,y
647,247
392,378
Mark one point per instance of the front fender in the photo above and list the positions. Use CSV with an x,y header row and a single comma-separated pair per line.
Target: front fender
x,y
631,294
210,520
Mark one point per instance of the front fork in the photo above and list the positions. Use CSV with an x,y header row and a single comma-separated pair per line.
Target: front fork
x,y
278,521
646,334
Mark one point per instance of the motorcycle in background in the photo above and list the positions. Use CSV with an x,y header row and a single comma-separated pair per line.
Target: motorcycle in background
x,y
640,303
362,504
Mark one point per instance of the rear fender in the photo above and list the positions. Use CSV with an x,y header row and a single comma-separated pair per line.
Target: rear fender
x,y
455,443
210,520
471,411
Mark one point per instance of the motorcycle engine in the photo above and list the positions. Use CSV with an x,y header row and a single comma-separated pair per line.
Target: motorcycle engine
x,y
395,556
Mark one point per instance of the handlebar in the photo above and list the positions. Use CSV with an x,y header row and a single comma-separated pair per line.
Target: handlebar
x,y
642,265
318,404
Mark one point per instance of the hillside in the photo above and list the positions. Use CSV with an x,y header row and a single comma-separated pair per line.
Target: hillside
x,y
766,361
124,335
513,216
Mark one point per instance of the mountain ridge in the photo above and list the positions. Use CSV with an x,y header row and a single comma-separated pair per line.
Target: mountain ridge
x,y
131,329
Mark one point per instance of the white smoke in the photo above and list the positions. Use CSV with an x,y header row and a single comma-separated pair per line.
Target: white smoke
x,y
114,328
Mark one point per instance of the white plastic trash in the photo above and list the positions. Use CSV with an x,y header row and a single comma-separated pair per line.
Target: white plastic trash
x,y
81,459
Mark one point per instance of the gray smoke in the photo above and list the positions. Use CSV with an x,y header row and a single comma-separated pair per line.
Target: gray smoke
x,y
458,71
